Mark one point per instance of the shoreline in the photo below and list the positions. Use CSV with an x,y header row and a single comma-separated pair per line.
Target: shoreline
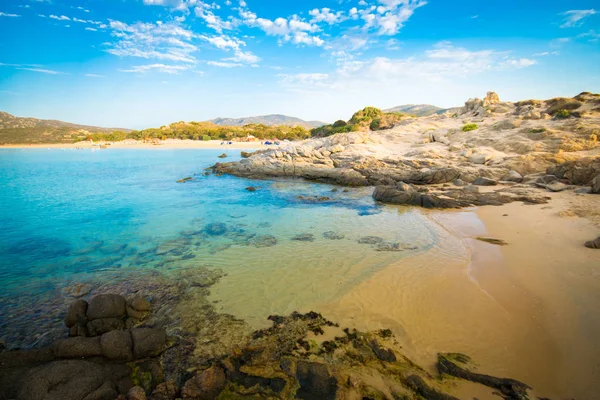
x,y
165,144
525,310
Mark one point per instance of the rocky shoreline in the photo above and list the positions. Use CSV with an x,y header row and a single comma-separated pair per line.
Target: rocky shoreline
x,y
434,163
111,353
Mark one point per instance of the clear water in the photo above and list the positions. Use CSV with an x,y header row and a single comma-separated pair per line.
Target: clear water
x,y
69,215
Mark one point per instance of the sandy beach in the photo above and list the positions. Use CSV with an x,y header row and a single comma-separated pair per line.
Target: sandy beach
x,y
525,310
128,144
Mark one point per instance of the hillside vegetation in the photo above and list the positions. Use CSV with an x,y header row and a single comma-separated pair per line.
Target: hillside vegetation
x,y
269,120
367,119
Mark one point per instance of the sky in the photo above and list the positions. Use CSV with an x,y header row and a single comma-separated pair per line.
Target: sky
x,y
146,63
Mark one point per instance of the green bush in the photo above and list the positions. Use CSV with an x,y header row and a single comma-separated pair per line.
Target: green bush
x,y
206,138
561,103
339,123
469,127
367,114
375,124
562,114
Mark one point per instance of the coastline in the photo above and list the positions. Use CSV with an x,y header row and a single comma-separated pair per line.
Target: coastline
x,y
165,144
524,310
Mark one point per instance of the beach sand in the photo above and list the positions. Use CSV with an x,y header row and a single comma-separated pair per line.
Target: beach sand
x,y
164,144
527,310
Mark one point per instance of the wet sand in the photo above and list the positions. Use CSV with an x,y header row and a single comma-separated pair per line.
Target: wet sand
x,y
527,310
165,144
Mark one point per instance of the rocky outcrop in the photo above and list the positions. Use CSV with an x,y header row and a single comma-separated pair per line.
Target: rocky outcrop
x,y
403,193
577,172
596,185
593,244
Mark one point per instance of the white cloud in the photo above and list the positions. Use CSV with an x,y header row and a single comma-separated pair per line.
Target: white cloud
x,y
60,18
591,36
160,41
91,29
3,14
326,15
224,64
547,53
94,76
313,79
168,69
389,18
575,17
83,9
41,70
213,21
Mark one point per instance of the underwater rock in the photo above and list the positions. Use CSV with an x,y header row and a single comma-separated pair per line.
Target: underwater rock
x,y
331,235
418,385
215,229
117,345
263,241
316,381
313,199
304,237
223,155
205,385
77,290
138,307
148,342
252,188
100,326
78,347
370,240
498,242
393,246
187,179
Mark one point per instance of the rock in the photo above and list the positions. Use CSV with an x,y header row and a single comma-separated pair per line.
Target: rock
x,y
263,241
596,185
497,242
189,178
458,182
206,385
77,347
106,306
215,229
331,235
98,327
136,393
513,176
490,99
148,342
77,290
593,244
479,158
223,155
105,392
382,353
165,391
556,186
370,240
251,188
304,237
76,313
338,148
247,154
482,181
138,307
80,329
316,382
585,190
471,189
117,345
578,172
388,246
71,380
546,179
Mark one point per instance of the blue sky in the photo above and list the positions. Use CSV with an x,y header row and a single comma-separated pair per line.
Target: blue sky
x,y
145,63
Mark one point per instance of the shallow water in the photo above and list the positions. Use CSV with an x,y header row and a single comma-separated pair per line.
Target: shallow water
x,y
78,215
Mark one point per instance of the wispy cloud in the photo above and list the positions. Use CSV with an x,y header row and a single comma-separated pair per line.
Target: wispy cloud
x,y
167,69
159,41
60,17
574,18
42,71
591,36
3,14
224,64
94,76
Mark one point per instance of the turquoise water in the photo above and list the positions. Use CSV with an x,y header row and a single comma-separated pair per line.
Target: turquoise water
x,y
73,215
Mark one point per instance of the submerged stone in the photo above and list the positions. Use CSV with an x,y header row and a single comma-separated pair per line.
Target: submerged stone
x,y
370,240
215,229
331,235
304,237
263,241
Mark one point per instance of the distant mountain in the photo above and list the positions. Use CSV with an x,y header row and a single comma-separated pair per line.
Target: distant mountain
x,y
32,130
269,120
419,110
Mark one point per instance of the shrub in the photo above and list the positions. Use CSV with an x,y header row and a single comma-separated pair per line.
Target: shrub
x,y
561,103
562,114
537,130
534,103
339,123
206,137
375,124
367,114
469,127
